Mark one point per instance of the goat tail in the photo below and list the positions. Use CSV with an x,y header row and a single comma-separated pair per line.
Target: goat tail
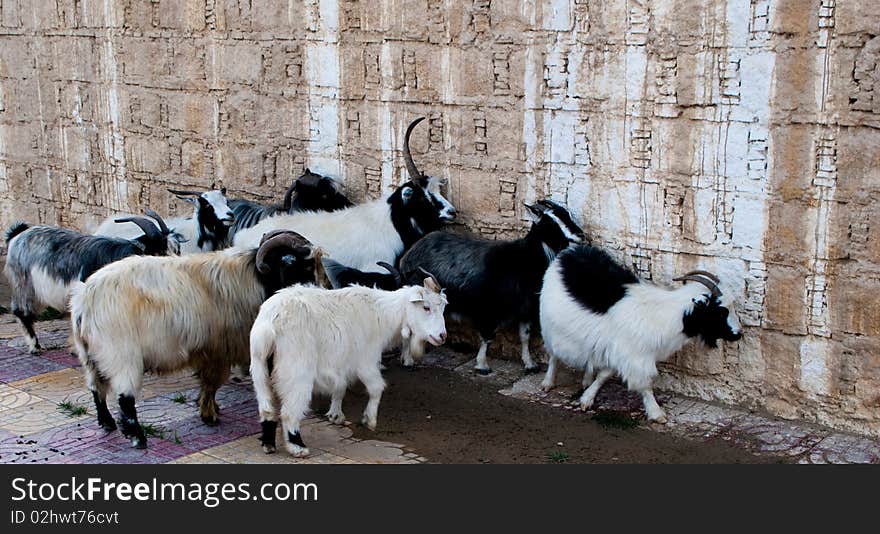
x,y
16,229
262,351
77,331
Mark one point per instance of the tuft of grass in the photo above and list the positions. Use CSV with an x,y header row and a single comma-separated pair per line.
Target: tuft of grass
x,y
557,457
154,431
4,309
177,438
614,419
49,314
71,409
180,398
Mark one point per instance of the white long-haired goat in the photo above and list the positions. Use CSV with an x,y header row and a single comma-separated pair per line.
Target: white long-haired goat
x,y
308,339
598,316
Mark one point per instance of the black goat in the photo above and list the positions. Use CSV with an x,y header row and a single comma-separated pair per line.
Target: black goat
x,y
491,283
309,192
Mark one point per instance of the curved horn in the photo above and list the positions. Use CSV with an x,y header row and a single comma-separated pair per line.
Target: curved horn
x,y
144,224
432,277
288,197
398,278
277,238
415,175
162,226
184,193
716,292
707,274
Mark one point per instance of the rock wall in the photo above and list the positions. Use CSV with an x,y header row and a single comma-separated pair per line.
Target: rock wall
x,y
740,136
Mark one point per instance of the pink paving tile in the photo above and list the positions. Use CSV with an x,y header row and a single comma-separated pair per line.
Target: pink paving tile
x,y
236,421
20,450
62,357
86,442
17,367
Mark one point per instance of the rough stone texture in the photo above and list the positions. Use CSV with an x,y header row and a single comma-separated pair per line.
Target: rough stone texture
x,y
740,136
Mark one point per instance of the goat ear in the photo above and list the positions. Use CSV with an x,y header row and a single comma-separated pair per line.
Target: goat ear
x,y
417,298
535,211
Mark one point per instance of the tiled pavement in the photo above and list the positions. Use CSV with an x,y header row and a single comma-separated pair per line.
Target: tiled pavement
x,y
35,429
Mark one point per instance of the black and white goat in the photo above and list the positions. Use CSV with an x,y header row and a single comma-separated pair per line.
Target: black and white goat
x,y
44,262
309,192
598,316
375,231
308,340
205,230
491,283
166,314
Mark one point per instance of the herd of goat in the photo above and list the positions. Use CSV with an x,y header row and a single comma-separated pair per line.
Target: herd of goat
x,y
308,294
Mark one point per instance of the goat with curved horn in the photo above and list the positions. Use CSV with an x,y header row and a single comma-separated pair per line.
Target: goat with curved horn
x,y
144,224
707,274
184,192
702,279
162,226
414,173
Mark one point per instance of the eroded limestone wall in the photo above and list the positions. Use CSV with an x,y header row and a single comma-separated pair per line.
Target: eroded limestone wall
x,y
741,136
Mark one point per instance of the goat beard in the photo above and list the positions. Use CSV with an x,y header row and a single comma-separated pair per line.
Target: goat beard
x,y
416,347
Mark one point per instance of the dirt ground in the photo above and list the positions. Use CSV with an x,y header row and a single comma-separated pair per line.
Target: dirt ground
x,y
450,419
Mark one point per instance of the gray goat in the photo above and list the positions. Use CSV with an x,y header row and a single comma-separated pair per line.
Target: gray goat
x,y
45,262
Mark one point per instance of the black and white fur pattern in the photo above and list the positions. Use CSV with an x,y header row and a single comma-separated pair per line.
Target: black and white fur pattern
x,y
494,283
309,192
598,316
205,230
491,283
44,262
376,231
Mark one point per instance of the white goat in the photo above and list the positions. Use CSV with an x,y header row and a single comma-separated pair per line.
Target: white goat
x,y
375,231
319,340
165,314
598,316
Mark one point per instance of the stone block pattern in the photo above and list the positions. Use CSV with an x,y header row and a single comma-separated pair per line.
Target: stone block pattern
x,y
738,136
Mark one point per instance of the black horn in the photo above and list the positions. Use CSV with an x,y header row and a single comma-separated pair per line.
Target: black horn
x,y
398,278
162,226
288,197
184,193
144,224
414,174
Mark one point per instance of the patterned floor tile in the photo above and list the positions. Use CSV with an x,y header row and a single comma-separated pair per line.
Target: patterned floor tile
x,y
13,398
155,385
20,450
58,386
18,365
35,417
198,458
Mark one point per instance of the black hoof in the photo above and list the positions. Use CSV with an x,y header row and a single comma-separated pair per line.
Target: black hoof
x,y
139,443
237,379
532,370
108,425
483,372
211,421
409,367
